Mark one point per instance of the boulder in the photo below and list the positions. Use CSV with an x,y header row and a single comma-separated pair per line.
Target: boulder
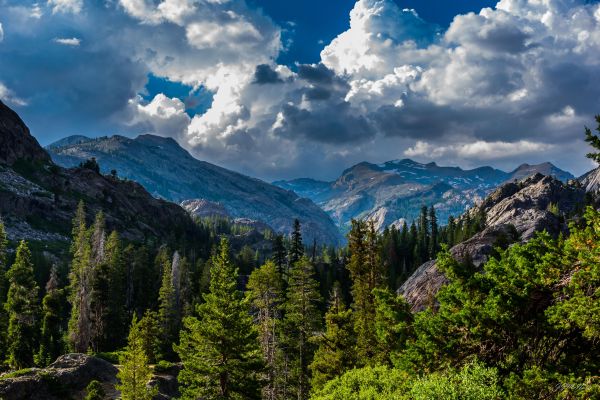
x,y
65,378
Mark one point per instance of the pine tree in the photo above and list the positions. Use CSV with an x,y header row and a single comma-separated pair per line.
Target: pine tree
x,y
366,273
135,371
51,341
94,391
296,247
594,141
279,254
80,279
265,293
423,235
302,319
335,354
167,309
3,287
116,314
22,308
219,349
433,231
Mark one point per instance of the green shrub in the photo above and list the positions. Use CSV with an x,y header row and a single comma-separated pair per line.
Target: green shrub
x,y
94,391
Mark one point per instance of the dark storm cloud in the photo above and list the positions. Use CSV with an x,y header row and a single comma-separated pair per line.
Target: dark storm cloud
x,y
264,74
317,74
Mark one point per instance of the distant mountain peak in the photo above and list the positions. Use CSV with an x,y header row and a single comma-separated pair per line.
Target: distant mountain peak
x,y
169,171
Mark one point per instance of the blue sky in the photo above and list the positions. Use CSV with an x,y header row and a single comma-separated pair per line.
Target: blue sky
x,y
279,89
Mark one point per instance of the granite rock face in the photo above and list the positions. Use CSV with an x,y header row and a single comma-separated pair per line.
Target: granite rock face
x,y
514,212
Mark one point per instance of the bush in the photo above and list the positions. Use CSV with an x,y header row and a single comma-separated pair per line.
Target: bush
x,y
94,391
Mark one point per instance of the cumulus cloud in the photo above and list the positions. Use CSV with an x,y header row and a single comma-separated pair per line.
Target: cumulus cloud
x,y
500,85
163,116
74,42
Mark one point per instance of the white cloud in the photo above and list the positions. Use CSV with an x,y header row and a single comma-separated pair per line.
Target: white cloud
x,y
163,116
9,96
478,150
68,41
66,6
1,32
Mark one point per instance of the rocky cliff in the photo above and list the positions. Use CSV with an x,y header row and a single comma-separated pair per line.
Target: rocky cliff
x,y
38,199
16,143
514,212
168,171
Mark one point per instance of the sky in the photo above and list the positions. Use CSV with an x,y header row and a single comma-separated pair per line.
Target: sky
x,y
280,89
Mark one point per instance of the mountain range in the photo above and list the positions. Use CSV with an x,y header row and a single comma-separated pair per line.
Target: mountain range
x,y
168,171
393,192
38,198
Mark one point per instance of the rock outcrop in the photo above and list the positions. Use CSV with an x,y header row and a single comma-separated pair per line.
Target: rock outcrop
x,y
514,212
591,181
66,378
16,143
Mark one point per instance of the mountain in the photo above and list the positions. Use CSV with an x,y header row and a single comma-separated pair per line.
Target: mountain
x,y
167,171
514,213
394,191
38,198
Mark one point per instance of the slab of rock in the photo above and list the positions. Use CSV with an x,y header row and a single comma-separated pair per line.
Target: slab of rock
x,y
514,212
63,379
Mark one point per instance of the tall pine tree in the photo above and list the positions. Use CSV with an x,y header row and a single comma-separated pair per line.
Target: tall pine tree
x,y
219,349
135,370
366,272
265,293
80,285
335,354
3,287
23,310
302,319
167,308
51,340
296,245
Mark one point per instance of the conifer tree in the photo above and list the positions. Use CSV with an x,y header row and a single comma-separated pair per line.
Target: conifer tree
x,y
423,235
594,141
433,231
366,273
219,349
3,287
116,316
51,341
265,293
80,279
167,308
22,308
296,246
279,254
302,319
335,354
135,371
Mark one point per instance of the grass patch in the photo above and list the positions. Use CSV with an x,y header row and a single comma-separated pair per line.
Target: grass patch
x,y
18,373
